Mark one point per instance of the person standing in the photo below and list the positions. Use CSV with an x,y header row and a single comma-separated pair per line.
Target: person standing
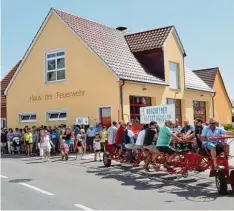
x,y
119,139
29,141
47,145
103,134
90,137
10,136
97,147
111,132
54,139
35,137
3,140
41,140
76,133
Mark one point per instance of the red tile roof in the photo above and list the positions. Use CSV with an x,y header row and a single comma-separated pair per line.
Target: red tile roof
x,y
110,45
148,40
5,81
207,75
113,47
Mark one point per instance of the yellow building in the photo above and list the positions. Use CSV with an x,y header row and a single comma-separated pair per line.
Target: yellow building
x,y
78,68
222,103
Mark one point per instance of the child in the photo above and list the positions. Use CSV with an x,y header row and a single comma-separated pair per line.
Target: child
x,y
47,145
97,147
80,146
83,138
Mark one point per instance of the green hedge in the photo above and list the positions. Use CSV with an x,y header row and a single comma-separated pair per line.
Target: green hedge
x,y
228,127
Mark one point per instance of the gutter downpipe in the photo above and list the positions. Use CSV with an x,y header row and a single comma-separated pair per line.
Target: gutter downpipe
x,y
121,99
213,104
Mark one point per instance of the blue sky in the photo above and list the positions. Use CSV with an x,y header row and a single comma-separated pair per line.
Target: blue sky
x,y
206,28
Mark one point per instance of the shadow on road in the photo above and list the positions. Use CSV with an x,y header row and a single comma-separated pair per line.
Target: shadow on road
x,y
147,181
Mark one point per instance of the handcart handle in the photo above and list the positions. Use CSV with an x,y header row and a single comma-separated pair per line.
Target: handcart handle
x,y
220,138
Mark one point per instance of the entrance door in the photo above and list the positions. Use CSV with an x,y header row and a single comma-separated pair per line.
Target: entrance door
x,y
105,116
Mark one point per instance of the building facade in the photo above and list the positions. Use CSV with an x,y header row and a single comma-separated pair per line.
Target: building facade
x,y
78,68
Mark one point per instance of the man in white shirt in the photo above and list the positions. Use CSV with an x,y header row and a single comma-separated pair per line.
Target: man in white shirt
x,y
140,138
111,132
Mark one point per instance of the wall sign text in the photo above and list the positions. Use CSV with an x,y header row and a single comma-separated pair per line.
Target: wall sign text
x,y
57,95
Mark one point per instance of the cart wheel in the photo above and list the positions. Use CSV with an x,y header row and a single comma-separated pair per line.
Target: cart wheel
x,y
221,183
106,160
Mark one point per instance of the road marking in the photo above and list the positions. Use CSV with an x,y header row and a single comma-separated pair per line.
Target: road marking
x,y
83,207
5,177
37,189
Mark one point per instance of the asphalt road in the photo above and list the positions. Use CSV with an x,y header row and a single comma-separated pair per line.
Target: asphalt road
x,y
87,185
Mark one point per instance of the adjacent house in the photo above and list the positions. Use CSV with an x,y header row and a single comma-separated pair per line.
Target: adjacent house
x,y
4,83
78,68
222,103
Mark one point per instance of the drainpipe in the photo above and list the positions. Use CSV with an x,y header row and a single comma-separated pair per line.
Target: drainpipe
x,y
213,104
121,99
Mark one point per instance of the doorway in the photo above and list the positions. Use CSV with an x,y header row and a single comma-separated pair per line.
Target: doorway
x,y
105,116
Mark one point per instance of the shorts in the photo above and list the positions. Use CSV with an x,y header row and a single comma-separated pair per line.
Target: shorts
x,y
71,142
210,145
68,142
3,144
166,149
129,146
151,148
27,143
139,147
46,149
120,146
102,146
90,141
97,150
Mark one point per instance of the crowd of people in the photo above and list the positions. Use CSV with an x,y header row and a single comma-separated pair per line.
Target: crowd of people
x,y
82,139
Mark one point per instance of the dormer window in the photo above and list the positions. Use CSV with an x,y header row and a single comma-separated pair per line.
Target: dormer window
x,y
174,75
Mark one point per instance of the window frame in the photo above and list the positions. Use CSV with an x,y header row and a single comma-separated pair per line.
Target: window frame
x,y
178,75
134,105
27,114
176,107
5,123
48,113
203,107
56,69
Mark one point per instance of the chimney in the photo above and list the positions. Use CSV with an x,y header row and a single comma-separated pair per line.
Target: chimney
x,y
121,28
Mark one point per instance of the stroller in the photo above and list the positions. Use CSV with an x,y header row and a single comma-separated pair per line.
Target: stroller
x,y
64,150
15,146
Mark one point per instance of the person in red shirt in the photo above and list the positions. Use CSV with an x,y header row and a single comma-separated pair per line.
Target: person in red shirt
x,y
120,138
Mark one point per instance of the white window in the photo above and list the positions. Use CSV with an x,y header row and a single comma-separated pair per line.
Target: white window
x,y
27,117
3,123
173,75
56,115
55,66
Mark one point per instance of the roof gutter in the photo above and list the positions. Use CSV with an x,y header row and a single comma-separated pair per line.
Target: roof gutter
x,y
121,99
143,82
213,110
199,90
